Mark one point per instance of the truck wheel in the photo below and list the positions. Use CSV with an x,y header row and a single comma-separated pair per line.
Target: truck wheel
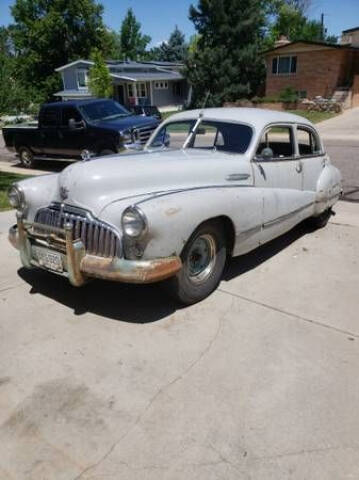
x,y
26,157
203,258
106,151
321,220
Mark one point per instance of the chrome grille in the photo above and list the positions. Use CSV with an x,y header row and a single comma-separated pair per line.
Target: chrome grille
x,y
98,237
142,134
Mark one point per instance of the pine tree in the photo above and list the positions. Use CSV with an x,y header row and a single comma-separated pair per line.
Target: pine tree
x,y
175,50
100,82
133,43
226,62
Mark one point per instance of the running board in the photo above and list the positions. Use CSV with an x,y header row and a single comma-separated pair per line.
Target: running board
x,y
57,159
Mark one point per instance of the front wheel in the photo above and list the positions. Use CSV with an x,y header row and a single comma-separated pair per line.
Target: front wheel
x,y
203,259
26,157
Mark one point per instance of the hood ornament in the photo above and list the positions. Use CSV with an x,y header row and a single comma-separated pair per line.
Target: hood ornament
x,y
86,155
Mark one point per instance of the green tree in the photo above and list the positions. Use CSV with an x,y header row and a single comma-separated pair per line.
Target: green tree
x,y
100,82
51,33
292,22
175,49
132,43
226,61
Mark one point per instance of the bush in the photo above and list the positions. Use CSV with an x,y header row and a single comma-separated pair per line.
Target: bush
x,y
288,95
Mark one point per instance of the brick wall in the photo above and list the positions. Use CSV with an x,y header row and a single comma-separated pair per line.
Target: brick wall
x,y
355,90
318,72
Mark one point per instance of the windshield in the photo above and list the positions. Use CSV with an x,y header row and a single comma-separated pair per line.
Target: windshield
x,y
103,110
206,135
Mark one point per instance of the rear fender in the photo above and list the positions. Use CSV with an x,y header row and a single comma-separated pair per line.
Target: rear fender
x,y
329,188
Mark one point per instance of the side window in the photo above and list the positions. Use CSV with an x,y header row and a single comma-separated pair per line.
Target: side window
x,y
173,135
70,112
277,143
308,142
205,137
49,117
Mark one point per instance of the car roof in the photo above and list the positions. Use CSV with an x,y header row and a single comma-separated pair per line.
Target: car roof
x,y
75,103
256,117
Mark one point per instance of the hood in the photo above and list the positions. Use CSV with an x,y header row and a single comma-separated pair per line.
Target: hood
x,y
123,123
95,184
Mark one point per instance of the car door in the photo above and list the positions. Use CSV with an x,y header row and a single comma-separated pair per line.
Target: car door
x,y
278,172
311,156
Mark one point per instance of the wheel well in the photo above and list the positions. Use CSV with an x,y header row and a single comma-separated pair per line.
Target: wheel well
x,y
228,228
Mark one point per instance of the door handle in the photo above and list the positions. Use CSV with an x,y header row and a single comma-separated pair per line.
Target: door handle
x,y
299,167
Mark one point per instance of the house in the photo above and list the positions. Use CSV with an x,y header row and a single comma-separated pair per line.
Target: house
x,y
315,68
134,83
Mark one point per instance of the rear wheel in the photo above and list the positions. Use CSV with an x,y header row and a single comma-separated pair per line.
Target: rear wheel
x,y
203,259
26,157
321,220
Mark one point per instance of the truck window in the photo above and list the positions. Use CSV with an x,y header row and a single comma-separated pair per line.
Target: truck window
x,y
49,117
68,113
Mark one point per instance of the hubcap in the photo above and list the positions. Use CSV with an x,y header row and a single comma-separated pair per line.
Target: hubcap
x,y
201,258
26,157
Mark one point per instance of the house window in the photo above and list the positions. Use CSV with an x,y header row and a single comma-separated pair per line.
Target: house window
x,y
82,78
130,90
161,85
141,90
284,65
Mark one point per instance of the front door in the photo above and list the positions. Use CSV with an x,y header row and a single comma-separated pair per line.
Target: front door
x,y
278,171
120,94
72,140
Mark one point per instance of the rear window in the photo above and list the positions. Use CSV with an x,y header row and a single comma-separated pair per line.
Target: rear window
x,y
49,117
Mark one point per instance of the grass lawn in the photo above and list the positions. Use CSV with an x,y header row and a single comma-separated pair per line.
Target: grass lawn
x,y
314,117
6,179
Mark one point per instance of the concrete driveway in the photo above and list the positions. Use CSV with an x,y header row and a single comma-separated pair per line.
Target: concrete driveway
x,y
259,381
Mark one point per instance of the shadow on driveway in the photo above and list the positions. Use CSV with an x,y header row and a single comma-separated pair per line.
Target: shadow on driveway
x,y
139,303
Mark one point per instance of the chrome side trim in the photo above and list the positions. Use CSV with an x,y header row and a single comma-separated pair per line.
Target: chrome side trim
x,y
190,189
287,216
237,176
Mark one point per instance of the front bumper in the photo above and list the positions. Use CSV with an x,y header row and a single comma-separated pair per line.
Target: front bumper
x,y
80,266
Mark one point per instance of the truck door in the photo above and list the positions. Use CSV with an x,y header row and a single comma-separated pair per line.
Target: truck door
x,y
72,139
49,136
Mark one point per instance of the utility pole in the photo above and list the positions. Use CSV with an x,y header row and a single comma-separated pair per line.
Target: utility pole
x,y
322,26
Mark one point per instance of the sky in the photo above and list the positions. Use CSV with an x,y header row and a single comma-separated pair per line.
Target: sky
x,y
159,17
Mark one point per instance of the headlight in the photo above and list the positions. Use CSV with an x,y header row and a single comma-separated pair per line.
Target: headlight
x,y
134,222
16,197
126,136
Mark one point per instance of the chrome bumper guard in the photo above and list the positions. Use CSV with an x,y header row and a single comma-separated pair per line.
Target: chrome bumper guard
x,y
80,266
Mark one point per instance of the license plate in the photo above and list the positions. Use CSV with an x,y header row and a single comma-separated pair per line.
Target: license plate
x,y
48,259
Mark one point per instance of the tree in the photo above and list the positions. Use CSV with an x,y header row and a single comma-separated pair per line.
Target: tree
x,y
133,44
100,82
292,22
48,34
175,49
226,61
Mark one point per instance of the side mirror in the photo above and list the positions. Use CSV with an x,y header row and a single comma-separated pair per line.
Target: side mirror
x,y
266,154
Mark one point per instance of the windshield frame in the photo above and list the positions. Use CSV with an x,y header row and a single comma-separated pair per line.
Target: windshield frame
x,y
192,132
122,113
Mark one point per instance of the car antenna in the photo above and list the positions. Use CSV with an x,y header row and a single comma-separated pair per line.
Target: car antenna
x,y
199,119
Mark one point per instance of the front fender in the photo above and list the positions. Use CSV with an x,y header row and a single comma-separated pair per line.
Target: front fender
x,y
172,218
39,192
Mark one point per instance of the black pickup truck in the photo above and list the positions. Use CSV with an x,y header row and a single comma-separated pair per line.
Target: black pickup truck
x,y
78,129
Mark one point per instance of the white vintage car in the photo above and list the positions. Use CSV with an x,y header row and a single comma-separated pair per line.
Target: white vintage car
x,y
208,185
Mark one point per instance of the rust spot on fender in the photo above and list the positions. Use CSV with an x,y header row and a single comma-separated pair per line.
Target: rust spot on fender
x,y
172,211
